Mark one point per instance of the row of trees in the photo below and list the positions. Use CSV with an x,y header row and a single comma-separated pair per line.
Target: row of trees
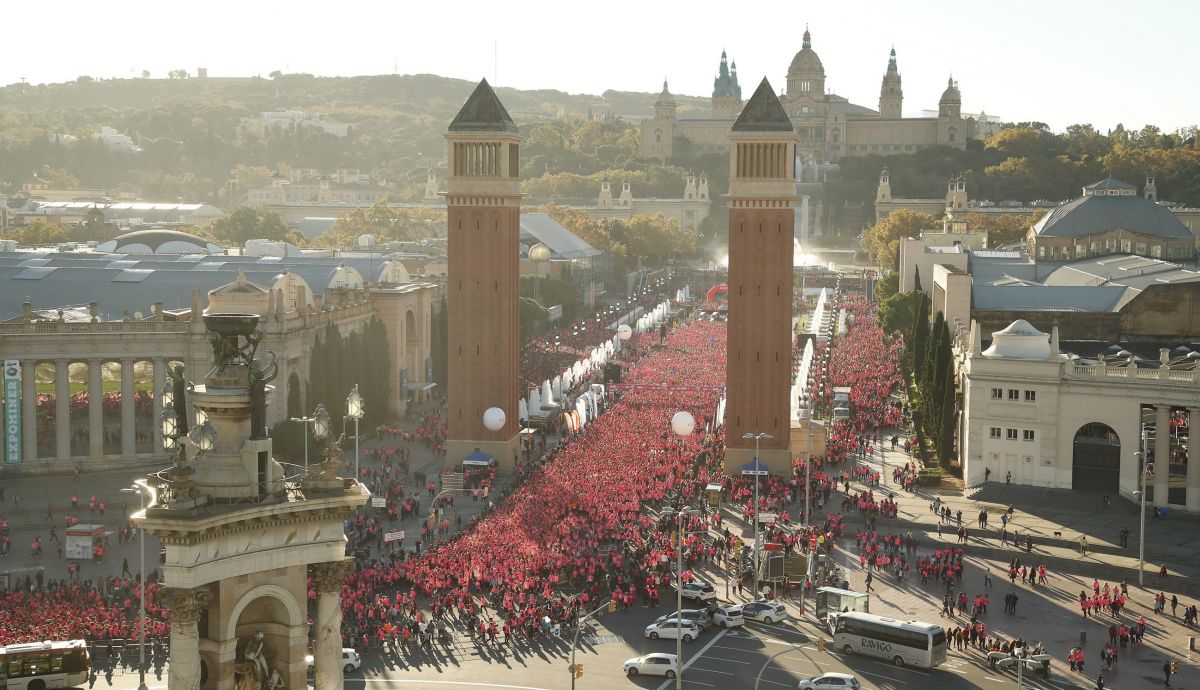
x,y
648,239
928,359
339,362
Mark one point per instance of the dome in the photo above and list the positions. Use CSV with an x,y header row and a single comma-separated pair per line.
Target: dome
x,y
1019,341
806,61
951,94
539,252
158,242
665,98
1110,205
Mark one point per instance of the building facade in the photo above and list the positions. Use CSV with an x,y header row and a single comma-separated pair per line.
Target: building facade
x,y
689,210
1034,415
828,127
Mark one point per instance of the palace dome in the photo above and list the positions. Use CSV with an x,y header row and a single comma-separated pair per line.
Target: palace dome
x,y
806,62
1110,205
1019,341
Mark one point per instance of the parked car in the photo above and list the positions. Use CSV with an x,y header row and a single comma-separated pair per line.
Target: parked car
x,y
672,629
656,664
698,590
700,617
832,681
351,661
765,611
728,616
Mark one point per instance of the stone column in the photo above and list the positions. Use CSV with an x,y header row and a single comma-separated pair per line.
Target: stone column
x,y
187,605
62,408
1193,460
95,408
1162,453
327,645
29,410
128,432
160,380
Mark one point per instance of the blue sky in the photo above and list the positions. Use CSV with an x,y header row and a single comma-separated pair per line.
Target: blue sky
x,y
1060,62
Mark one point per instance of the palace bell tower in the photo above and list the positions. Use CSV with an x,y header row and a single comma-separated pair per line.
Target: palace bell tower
x,y
483,203
762,197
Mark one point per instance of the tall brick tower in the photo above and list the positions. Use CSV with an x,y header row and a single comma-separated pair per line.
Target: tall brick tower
x,y
762,194
483,202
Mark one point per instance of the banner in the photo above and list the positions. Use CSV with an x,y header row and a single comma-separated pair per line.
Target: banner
x,y
429,370
12,411
378,501
404,384
393,536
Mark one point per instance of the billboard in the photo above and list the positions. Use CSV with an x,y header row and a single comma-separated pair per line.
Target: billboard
x,y
12,411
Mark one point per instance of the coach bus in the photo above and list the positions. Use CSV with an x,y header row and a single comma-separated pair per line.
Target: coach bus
x,y
903,642
43,665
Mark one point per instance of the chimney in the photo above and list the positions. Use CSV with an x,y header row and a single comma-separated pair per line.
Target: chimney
x,y
27,310
94,310
1054,342
158,311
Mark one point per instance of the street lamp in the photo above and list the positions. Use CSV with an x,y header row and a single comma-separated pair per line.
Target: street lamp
x,y
320,422
355,410
757,438
683,424
1141,456
204,436
140,488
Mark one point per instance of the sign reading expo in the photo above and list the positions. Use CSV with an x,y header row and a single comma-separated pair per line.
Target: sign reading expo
x,y
12,411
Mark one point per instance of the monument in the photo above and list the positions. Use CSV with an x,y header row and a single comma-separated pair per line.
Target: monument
x,y
762,196
483,207
241,533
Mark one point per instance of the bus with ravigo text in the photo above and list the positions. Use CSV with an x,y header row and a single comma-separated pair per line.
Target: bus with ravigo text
x,y
43,665
902,642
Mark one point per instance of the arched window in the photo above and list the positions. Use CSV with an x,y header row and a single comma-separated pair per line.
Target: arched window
x,y
658,136
951,133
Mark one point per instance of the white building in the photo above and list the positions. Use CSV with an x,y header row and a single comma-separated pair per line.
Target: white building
x,y
300,118
1056,420
117,141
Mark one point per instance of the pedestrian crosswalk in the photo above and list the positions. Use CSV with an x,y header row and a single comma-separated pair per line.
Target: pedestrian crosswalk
x,y
602,639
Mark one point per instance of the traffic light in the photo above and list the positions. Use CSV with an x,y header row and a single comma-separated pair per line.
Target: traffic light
x,y
1174,668
612,605
579,670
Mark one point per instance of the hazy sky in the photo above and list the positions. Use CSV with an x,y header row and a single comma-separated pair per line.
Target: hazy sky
x,y
1058,61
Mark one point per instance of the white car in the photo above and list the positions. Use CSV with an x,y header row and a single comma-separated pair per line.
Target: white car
x,y
728,616
700,617
671,629
698,590
656,664
351,661
832,681
765,611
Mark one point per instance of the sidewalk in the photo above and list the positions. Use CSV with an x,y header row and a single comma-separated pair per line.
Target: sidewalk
x,y
27,498
1055,518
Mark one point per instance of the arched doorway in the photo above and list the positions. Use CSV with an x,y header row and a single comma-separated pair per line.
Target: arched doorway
x,y
1096,458
275,612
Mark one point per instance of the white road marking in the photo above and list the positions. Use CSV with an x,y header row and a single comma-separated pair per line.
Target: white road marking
x,y
713,670
667,683
732,661
450,682
880,675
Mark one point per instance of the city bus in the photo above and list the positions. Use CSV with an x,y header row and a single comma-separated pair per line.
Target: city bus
x,y
43,665
903,642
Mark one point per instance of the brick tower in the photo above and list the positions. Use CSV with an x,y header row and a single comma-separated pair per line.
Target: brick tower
x,y
762,194
483,202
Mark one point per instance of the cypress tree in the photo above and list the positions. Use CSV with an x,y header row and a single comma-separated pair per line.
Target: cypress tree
x,y
919,339
917,278
316,376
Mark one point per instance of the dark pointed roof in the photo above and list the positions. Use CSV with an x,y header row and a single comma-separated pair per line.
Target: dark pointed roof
x,y
483,112
763,112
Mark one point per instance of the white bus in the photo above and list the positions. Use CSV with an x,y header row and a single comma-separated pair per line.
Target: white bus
x,y
903,642
43,665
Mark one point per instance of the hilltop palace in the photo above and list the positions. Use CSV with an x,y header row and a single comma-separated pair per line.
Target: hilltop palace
x,y
828,127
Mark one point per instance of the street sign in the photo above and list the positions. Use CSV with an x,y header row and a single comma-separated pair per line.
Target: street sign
x,y
378,501
393,536
12,411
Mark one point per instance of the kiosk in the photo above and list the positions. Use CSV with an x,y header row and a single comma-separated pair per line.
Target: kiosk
x,y
835,600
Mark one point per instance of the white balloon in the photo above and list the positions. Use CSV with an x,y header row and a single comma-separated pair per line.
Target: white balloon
x,y
624,332
683,423
494,419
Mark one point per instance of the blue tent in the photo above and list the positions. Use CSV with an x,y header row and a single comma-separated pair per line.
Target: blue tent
x,y
478,458
755,467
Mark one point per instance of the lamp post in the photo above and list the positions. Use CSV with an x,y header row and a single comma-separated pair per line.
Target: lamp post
x,y
757,438
683,424
1141,456
320,421
354,410
579,621
139,489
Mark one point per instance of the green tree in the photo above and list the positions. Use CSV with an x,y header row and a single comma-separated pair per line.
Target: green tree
x,y
882,240
1002,228
248,223
887,286
38,231
898,312
919,340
